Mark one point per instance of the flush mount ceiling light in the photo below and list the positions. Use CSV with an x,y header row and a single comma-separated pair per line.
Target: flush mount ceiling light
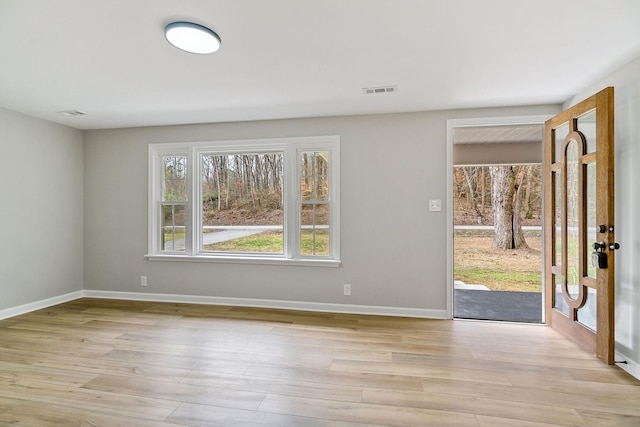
x,y
193,38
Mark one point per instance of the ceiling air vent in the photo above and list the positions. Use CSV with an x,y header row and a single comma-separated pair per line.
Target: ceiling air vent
x,y
71,113
381,89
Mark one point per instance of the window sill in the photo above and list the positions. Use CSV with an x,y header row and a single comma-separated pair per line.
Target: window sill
x,y
245,260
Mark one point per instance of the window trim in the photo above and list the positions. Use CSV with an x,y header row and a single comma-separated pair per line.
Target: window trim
x,y
291,147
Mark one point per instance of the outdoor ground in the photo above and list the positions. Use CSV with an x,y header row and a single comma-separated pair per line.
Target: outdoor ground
x,y
476,261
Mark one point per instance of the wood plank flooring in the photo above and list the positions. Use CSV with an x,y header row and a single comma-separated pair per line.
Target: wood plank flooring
x,y
95,362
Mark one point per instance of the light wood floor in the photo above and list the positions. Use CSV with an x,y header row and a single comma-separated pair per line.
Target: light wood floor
x,y
115,363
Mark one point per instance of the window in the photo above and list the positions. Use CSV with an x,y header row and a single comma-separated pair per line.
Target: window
x,y
314,203
242,203
264,201
173,203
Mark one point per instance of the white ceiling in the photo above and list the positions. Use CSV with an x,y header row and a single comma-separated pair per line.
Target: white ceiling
x,y
303,58
498,134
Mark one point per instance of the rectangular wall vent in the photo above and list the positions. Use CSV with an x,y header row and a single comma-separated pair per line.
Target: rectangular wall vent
x,y
381,89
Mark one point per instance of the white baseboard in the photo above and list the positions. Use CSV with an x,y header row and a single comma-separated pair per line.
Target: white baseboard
x,y
240,302
38,305
631,366
265,303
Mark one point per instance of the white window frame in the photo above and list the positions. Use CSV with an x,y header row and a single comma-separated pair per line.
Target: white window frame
x,y
291,147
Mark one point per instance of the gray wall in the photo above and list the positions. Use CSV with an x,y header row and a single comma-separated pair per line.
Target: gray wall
x,y
41,185
393,248
626,82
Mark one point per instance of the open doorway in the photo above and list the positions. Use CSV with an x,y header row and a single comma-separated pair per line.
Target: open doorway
x,y
496,279
496,203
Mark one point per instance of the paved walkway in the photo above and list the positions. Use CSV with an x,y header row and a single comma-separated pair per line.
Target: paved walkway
x,y
223,235
457,284
498,305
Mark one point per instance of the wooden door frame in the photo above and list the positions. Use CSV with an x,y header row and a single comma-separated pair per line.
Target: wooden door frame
x,y
476,122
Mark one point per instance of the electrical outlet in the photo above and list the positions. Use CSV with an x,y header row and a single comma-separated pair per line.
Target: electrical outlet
x,y
143,280
347,289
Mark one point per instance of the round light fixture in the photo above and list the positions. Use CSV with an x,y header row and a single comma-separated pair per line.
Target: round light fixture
x,y
193,38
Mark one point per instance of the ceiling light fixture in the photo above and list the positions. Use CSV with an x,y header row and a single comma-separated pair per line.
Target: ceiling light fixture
x,y
193,38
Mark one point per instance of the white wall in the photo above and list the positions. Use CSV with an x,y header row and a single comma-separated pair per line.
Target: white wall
x,y
626,82
41,213
393,249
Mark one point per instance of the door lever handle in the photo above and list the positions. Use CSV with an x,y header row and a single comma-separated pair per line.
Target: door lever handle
x,y
599,247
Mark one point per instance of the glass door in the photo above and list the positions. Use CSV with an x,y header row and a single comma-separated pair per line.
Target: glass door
x,y
579,229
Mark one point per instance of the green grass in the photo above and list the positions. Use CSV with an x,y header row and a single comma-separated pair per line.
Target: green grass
x,y
267,242
169,237
499,280
321,243
270,242
477,261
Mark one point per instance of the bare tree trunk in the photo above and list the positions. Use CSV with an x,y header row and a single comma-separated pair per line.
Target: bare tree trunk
x,y
456,183
219,195
482,203
501,199
519,241
472,193
528,208
508,230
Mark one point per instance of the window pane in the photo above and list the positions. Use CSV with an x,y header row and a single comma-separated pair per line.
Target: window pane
x,y
314,182
314,193
242,205
174,178
587,315
173,229
557,218
590,200
559,135
587,125
314,233
559,302
574,206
